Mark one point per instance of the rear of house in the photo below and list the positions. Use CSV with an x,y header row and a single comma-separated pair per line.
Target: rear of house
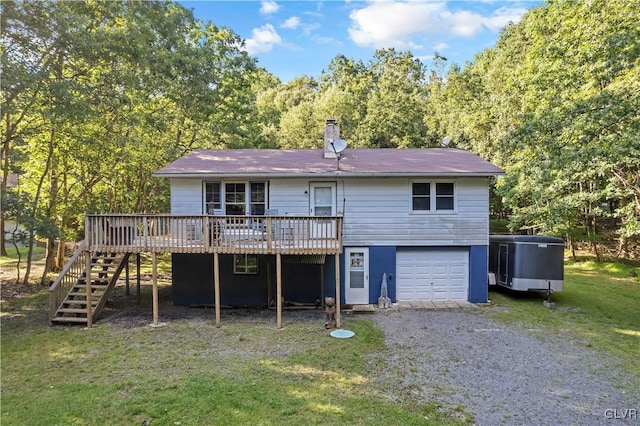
x,y
420,216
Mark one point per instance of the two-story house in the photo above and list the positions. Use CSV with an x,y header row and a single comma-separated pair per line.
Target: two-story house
x,y
291,226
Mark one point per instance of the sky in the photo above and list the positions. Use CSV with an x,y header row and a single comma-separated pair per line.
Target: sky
x,y
295,38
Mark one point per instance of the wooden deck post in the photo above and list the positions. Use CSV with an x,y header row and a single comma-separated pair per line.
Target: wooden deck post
x,y
126,275
154,275
338,320
216,286
87,281
138,278
279,289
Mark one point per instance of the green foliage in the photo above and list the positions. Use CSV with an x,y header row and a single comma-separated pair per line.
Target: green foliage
x,y
97,96
556,103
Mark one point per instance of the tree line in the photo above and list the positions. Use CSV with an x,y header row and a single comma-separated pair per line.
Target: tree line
x,y
96,96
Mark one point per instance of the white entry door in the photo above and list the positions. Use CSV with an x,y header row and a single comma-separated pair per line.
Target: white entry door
x,y
356,276
322,202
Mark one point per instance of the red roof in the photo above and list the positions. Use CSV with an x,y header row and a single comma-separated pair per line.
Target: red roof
x,y
310,162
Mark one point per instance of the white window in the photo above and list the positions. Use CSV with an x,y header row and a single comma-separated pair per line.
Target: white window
x,y
444,196
432,196
245,264
212,197
257,198
235,198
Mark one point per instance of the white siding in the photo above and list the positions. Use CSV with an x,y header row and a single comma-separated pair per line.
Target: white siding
x,y
186,196
288,196
377,211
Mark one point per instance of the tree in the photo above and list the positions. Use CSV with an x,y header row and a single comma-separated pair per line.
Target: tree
x,y
97,96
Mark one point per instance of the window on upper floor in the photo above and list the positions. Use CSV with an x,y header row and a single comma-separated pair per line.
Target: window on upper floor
x,y
432,196
257,198
212,197
235,198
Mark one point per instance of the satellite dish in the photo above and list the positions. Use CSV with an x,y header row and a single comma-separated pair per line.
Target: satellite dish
x,y
445,142
339,145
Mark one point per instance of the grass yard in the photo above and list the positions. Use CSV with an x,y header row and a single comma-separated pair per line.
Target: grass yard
x,y
189,372
599,307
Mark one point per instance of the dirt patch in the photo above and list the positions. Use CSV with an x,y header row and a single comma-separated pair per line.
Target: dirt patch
x,y
10,289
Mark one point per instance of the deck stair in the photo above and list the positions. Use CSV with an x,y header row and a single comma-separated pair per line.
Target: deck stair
x,y
72,309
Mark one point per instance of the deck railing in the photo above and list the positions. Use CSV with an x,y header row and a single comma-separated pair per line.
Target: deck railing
x,y
74,269
162,233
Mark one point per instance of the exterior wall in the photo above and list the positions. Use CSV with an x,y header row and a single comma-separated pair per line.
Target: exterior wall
x,y
186,196
192,282
478,266
377,211
377,214
301,283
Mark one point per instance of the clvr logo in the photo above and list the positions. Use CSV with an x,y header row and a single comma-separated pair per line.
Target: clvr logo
x,y
621,413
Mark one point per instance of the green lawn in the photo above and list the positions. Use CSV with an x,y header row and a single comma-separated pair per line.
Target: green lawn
x,y
599,308
189,372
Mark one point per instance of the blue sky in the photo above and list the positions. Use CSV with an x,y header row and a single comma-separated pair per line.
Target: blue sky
x,y
293,38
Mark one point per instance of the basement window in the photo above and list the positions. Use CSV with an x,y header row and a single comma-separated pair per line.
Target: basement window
x,y
245,264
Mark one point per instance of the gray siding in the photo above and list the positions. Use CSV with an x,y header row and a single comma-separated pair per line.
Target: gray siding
x,y
377,211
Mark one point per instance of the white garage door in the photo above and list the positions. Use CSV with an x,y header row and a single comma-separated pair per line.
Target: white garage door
x,y
432,275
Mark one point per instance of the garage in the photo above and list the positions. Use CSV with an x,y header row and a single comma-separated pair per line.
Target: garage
x,y
432,275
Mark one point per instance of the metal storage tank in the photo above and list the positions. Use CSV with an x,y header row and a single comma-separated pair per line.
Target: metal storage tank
x,y
526,262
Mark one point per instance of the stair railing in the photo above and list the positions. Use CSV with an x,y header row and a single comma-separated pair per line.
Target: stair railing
x,y
73,270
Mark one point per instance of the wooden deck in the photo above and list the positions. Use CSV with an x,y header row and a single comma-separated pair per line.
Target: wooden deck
x,y
78,293
289,235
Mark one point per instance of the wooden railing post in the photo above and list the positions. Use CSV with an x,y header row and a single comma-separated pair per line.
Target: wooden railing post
x,y
87,280
279,290
216,284
145,232
154,278
269,230
338,320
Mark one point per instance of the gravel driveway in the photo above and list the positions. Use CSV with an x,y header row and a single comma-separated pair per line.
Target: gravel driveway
x,y
503,374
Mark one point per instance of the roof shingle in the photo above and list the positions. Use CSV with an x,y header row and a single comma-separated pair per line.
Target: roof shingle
x,y
310,162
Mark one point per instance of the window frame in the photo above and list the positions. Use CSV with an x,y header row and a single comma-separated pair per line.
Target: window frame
x,y
206,192
250,205
242,266
242,205
434,196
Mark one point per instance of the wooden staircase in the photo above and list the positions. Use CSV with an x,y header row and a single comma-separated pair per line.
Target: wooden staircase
x,y
104,273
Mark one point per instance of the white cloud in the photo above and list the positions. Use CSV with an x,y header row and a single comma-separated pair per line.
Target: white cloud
x,y
386,24
262,39
503,16
439,47
463,23
268,7
397,23
291,23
